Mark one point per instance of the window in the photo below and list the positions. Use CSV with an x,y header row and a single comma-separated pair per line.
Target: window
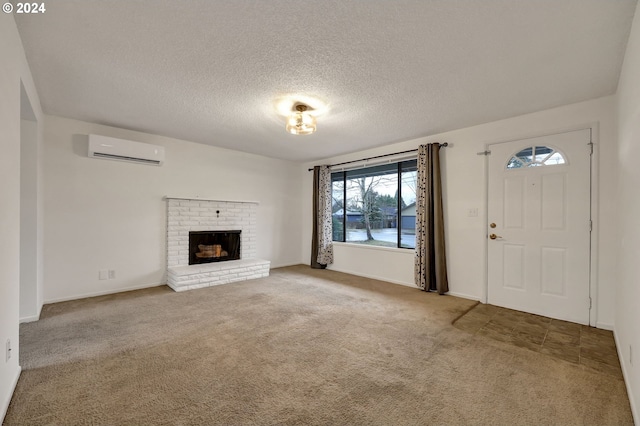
x,y
376,205
536,156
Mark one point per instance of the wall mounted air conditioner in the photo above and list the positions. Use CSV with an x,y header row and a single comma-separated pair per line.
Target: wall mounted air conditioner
x,y
123,150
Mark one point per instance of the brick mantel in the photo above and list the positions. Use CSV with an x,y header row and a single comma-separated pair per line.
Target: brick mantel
x,y
197,198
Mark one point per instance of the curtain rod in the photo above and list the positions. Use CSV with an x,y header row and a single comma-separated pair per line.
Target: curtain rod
x,y
442,145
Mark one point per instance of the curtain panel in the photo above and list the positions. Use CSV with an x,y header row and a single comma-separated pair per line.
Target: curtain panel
x,y
430,260
322,238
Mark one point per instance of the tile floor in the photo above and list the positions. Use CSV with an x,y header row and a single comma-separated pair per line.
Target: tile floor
x,y
591,347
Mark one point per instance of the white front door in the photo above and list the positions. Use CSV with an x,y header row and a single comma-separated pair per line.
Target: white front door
x,y
539,227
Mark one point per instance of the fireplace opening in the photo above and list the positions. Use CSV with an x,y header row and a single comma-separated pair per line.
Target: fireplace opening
x,y
213,246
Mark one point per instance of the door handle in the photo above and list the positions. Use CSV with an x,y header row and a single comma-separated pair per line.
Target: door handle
x,y
494,236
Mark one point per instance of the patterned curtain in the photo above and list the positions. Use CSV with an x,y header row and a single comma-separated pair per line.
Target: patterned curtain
x,y
322,238
430,262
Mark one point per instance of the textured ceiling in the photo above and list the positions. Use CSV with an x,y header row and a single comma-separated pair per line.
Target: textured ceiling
x,y
215,71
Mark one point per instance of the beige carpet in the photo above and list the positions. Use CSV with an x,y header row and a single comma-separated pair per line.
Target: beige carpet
x,y
299,347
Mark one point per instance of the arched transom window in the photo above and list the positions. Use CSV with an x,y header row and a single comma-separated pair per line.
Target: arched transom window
x,y
536,156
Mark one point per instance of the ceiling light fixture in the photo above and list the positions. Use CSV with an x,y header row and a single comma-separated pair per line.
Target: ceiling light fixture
x,y
301,122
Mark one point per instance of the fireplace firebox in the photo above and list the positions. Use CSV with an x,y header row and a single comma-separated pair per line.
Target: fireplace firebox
x,y
213,246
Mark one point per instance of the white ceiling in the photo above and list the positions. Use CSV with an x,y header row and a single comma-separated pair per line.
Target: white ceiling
x,y
388,70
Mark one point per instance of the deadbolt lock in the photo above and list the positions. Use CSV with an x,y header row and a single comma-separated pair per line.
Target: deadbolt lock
x,y
493,225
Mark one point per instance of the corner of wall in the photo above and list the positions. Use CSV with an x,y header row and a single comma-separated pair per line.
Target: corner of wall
x,y
5,404
628,209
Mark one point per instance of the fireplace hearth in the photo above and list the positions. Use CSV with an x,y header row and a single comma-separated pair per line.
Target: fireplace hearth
x,y
213,246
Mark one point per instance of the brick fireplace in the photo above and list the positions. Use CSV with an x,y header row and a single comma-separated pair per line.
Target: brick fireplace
x,y
214,220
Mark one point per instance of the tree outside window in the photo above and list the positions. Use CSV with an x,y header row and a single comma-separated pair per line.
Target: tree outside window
x,y
369,205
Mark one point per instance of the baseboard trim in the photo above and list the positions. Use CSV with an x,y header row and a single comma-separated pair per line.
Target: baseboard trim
x,y
604,326
285,265
397,282
5,404
31,318
358,274
120,290
464,296
627,380
102,293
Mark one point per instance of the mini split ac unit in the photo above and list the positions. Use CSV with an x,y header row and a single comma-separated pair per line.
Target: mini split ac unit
x,y
123,150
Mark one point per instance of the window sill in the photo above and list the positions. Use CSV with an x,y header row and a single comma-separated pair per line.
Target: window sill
x,y
408,251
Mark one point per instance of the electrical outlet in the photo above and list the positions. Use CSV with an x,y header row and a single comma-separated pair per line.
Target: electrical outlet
x,y
8,350
103,274
473,212
112,274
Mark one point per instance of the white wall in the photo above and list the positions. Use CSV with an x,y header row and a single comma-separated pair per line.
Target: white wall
x,y
29,260
103,214
627,320
13,70
31,209
464,185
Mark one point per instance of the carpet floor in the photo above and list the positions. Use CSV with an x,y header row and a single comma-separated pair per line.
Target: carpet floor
x,y
300,347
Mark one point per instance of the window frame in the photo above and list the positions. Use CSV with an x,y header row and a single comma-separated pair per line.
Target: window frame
x,y
404,165
535,163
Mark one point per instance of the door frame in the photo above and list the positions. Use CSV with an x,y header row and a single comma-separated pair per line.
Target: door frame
x,y
594,128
